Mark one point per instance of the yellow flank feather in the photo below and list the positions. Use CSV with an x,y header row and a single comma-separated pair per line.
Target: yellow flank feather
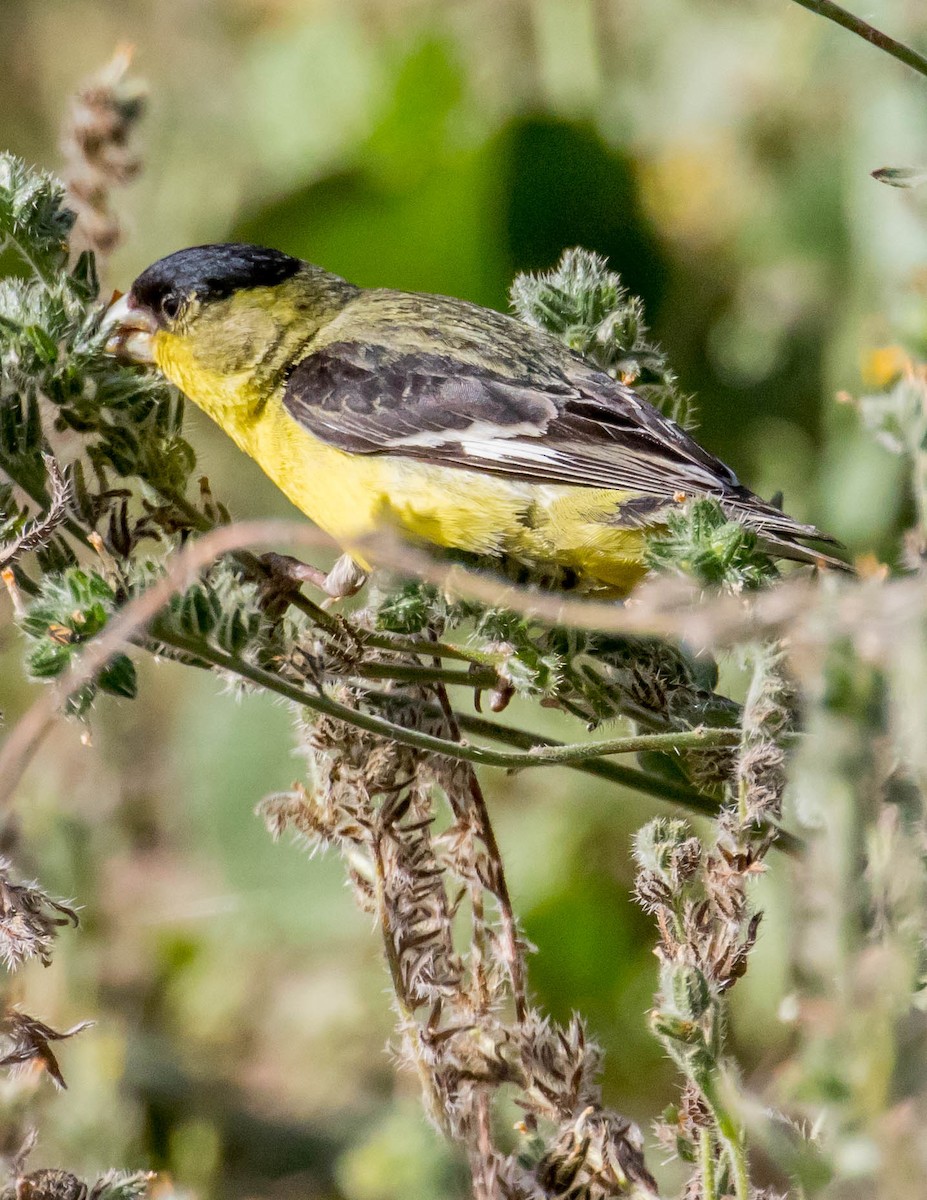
x,y
352,497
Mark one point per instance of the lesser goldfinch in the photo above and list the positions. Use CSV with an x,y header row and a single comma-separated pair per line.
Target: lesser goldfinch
x,y
455,425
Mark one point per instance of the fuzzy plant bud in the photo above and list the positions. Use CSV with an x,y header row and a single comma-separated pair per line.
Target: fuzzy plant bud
x,y
588,307
687,989
702,542
669,1028
657,845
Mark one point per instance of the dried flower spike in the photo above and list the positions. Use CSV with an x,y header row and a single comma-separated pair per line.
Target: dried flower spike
x,y
98,152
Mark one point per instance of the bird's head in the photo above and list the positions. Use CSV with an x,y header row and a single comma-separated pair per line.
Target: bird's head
x,y
190,292
212,317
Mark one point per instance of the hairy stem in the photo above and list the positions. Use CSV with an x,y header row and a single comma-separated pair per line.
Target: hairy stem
x,y
732,1140
482,679
707,1163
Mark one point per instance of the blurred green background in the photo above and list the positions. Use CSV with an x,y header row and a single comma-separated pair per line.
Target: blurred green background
x,y
718,152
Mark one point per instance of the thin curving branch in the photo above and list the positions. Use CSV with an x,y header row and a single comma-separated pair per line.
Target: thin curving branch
x,y
875,37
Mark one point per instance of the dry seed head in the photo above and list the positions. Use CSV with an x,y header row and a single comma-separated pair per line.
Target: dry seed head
x,y
50,1185
656,844
97,146
29,921
27,1044
651,893
686,860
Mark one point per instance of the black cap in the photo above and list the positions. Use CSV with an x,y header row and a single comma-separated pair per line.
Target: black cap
x,y
212,273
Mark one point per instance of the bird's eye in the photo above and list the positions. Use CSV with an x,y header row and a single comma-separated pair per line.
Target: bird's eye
x,y
171,305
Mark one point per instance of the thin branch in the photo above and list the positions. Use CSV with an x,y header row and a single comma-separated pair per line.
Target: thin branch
x,y
482,678
833,12
631,777
672,606
320,616
251,564
667,790
701,738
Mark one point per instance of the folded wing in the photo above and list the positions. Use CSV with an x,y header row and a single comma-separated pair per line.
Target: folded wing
x,y
566,424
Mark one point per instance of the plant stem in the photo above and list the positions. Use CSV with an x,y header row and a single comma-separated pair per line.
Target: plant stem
x,y
499,886
540,756
411,645
730,1133
484,678
251,563
833,12
707,1160
632,777
397,643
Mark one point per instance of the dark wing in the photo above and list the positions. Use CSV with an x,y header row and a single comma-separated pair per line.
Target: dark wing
x,y
432,407
576,427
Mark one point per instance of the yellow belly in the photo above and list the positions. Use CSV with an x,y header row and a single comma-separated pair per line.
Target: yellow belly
x,y
352,497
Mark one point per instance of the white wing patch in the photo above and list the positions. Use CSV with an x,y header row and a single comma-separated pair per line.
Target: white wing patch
x,y
478,433
497,451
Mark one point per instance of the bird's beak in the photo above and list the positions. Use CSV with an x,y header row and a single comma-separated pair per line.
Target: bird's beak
x,y
130,331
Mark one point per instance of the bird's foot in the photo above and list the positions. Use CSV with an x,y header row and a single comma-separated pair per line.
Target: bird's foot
x,y
286,575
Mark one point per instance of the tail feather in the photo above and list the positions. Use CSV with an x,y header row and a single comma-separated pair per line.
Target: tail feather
x,y
783,536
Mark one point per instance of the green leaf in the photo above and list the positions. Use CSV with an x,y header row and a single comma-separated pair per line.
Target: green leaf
x,y
45,345
33,216
408,610
587,306
119,677
79,702
48,660
84,275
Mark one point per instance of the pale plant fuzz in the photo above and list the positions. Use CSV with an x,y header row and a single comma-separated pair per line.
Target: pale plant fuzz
x,y
33,535
30,923
55,1184
27,1044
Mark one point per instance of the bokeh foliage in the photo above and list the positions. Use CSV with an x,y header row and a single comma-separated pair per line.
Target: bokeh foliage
x,y
718,155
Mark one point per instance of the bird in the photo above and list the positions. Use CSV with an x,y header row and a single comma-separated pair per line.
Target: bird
x,y
456,426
